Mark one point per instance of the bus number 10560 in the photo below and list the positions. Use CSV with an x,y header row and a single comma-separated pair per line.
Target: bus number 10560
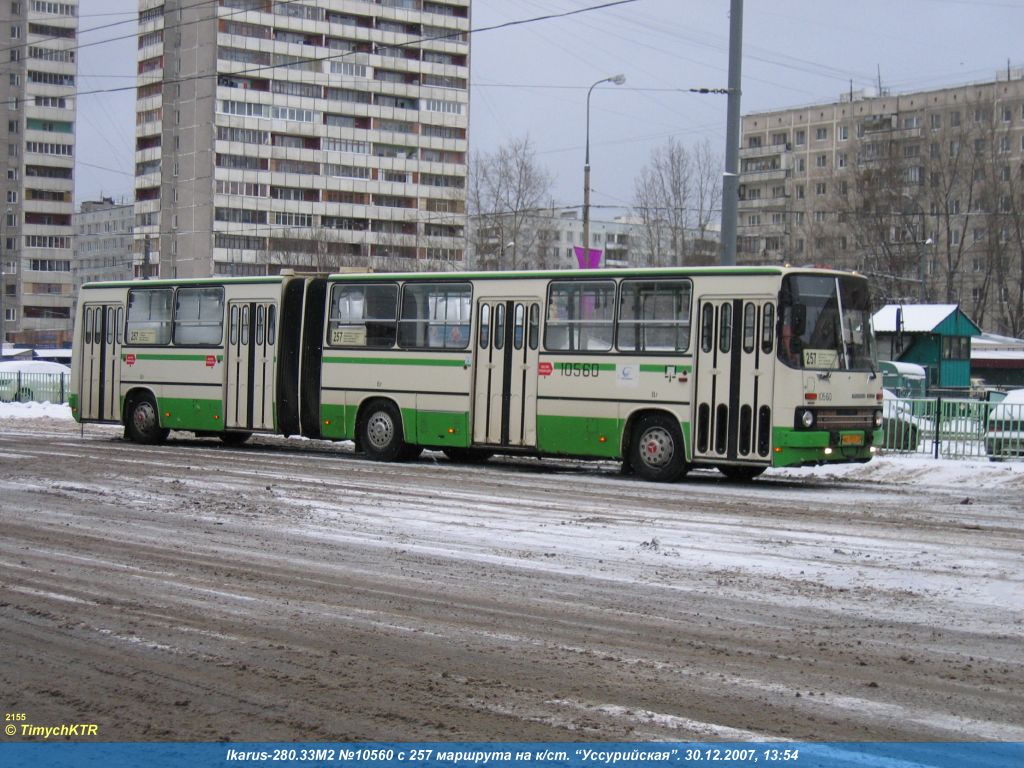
x,y
587,370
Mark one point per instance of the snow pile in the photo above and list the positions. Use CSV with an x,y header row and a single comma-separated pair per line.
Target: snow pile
x,y
34,411
897,469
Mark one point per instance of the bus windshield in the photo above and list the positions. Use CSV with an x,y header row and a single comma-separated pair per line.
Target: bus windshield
x,y
825,323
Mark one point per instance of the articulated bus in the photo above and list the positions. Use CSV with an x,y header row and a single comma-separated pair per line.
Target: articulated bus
x,y
662,369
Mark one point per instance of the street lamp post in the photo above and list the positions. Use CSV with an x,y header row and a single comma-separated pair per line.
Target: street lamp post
x,y
922,269
618,80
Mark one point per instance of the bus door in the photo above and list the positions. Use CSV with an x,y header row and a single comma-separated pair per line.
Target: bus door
x,y
250,369
735,362
100,376
505,379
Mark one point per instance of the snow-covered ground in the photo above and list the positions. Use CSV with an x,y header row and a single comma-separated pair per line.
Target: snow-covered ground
x,y
197,587
894,468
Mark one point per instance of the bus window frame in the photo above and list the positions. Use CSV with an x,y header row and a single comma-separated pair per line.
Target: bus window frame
x,y
641,324
455,334
341,285
569,323
167,323
176,323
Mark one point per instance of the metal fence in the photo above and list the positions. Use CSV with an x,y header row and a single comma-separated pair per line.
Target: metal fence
x,y
18,387
953,428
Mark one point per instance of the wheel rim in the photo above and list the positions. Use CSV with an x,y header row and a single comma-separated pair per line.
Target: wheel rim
x,y
657,447
380,430
144,418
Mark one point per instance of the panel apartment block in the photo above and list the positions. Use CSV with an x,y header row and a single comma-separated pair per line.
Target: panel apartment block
x,y
923,191
312,136
37,113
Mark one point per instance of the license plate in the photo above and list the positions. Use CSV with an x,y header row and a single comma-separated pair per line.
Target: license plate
x,y
852,439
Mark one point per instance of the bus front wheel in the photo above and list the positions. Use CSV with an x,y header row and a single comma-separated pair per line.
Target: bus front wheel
x,y
143,422
381,433
656,450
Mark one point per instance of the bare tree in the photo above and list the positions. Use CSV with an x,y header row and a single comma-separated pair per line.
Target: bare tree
x,y
676,198
661,195
707,196
505,192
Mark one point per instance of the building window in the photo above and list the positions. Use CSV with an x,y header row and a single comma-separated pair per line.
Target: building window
x,y
820,134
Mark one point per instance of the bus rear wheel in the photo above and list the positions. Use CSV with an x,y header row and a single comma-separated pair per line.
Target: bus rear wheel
x,y
381,432
143,422
656,451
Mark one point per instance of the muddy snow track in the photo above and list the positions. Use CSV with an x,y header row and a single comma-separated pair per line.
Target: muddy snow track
x,y
288,590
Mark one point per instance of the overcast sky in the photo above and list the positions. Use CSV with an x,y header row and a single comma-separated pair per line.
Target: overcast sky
x,y
532,79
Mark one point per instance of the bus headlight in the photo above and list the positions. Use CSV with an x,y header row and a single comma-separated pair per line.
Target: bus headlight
x,y
807,419
878,419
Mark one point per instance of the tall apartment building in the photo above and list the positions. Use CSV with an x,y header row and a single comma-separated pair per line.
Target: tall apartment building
x,y
922,191
310,136
37,111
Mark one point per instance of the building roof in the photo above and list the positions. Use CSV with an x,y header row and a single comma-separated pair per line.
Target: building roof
x,y
992,351
925,318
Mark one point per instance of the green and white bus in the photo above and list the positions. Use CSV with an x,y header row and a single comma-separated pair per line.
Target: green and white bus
x,y
663,369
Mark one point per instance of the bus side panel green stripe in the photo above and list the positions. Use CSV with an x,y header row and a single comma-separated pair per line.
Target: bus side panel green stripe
x,y
599,366
660,369
172,358
432,428
440,362
336,421
579,436
190,413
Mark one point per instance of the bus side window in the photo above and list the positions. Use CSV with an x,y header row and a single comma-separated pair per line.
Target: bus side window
x,y
88,325
707,327
725,329
767,328
149,316
199,316
485,325
234,324
435,315
534,325
261,324
519,327
749,327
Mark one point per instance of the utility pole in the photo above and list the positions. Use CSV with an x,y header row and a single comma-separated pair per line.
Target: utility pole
x,y
731,177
